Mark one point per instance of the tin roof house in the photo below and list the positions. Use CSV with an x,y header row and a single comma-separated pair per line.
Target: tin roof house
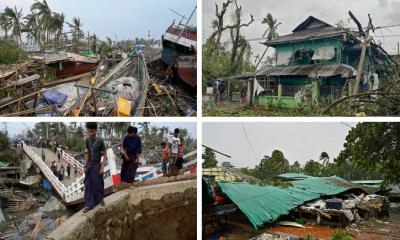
x,y
317,60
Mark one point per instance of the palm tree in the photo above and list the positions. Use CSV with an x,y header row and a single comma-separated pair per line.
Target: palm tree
x,y
32,28
14,15
5,24
324,158
57,28
76,27
44,15
270,32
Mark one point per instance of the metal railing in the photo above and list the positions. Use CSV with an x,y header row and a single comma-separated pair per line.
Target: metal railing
x,y
55,182
72,161
155,173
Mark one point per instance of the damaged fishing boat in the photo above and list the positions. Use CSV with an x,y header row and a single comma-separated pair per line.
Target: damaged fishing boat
x,y
118,91
68,64
122,92
179,51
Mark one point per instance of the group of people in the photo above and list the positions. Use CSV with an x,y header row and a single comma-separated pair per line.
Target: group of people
x,y
219,91
60,172
96,157
172,159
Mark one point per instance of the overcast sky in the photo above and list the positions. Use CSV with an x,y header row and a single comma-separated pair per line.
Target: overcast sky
x,y
125,18
298,141
292,12
18,128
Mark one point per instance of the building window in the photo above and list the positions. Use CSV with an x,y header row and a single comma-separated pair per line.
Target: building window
x,y
303,56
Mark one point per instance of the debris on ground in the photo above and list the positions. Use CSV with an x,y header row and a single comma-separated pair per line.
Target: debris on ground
x,y
165,99
53,204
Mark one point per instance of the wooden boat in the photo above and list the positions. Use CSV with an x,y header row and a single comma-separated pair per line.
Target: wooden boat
x,y
76,64
180,50
123,91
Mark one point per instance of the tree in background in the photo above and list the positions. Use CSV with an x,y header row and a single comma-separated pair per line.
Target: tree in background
x,y
13,16
312,168
373,151
209,158
324,158
219,62
295,167
271,166
270,33
77,33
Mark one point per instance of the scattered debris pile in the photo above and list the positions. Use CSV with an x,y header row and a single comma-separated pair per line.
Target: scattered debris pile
x,y
16,200
344,211
164,99
329,201
35,226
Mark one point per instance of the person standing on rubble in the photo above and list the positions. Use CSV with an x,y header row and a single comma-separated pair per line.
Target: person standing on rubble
x,y
69,170
59,154
94,183
132,148
174,141
43,156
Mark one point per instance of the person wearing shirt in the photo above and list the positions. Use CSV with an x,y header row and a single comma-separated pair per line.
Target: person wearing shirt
x,y
174,141
132,148
93,182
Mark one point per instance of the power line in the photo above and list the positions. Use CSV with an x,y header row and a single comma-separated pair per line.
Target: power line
x,y
248,140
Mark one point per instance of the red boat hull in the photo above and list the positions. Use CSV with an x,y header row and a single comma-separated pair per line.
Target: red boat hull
x,y
186,67
70,69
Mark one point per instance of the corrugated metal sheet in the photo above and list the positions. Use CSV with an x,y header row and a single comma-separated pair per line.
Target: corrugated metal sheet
x,y
306,35
324,186
312,70
293,176
262,204
220,174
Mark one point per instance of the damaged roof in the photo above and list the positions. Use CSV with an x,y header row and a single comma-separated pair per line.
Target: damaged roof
x,y
311,70
265,204
311,29
293,176
220,174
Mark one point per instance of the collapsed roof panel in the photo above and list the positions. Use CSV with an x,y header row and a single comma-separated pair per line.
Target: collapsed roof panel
x,y
265,204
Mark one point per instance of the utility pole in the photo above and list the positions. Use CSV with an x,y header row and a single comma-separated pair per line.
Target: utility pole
x,y
367,40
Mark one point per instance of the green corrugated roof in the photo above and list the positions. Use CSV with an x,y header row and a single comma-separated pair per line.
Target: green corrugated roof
x,y
324,185
262,204
293,176
4,164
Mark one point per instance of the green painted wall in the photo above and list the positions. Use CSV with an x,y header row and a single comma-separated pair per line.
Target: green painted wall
x,y
314,45
283,102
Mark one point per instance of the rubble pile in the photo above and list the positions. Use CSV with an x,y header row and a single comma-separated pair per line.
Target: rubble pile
x,y
165,99
344,211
